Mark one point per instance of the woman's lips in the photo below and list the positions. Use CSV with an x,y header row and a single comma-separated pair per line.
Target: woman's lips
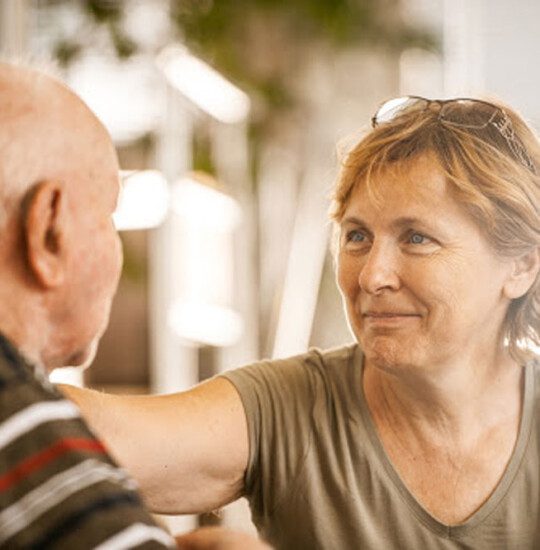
x,y
384,318
389,314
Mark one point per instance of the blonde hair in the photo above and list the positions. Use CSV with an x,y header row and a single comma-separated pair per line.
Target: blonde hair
x,y
492,173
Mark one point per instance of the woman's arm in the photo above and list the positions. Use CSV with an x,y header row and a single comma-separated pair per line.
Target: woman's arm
x,y
188,451
217,538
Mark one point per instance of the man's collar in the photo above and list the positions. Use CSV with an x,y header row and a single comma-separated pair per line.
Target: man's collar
x,y
20,364
10,352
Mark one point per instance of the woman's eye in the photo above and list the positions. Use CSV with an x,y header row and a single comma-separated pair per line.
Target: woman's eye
x,y
418,238
355,236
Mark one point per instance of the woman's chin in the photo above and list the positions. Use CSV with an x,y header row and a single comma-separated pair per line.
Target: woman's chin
x,y
390,353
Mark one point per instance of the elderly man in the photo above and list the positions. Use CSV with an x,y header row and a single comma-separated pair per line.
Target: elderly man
x,y
61,260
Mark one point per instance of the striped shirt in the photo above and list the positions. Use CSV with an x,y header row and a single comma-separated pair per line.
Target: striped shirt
x,y
58,486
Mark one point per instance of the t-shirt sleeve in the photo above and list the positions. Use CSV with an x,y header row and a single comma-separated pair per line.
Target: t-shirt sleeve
x,y
279,399
58,486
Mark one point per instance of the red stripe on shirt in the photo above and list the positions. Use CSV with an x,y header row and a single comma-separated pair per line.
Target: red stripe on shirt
x,y
43,457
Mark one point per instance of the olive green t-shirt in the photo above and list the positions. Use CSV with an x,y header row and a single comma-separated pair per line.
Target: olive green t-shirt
x,y
318,476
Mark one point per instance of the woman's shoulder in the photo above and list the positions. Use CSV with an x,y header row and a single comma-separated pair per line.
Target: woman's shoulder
x,y
306,369
338,356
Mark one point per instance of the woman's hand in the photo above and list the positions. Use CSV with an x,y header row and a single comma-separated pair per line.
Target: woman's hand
x,y
217,538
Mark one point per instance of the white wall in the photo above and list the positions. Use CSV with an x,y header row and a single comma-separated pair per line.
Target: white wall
x,y
492,47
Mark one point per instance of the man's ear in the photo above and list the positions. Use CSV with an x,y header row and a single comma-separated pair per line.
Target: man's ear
x,y
524,272
44,232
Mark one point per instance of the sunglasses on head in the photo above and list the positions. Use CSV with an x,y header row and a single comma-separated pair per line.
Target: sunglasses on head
x,y
462,112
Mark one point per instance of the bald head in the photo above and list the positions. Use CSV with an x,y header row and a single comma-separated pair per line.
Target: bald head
x,y
46,132
58,248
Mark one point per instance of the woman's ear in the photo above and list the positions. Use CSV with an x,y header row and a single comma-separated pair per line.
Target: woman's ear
x,y
524,272
44,231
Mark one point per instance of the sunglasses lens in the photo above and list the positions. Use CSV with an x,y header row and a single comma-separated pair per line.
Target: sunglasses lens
x,y
469,113
397,107
472,114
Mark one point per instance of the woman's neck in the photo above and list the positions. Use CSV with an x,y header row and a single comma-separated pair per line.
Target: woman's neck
x,y
454,404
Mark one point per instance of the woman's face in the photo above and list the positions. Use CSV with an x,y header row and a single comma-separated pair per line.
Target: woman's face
x,y
421,284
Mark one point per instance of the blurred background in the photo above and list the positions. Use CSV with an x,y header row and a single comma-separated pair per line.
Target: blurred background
x,y
229,117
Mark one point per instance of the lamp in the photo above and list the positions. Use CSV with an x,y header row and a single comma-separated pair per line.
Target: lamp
x,y
204,219
143,202
203,85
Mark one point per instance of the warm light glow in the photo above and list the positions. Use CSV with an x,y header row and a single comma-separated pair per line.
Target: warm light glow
x,y
206,323
200,204
126,96
203,222
204,86
143,202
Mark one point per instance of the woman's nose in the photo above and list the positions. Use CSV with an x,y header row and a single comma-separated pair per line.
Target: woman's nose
x,y
380,270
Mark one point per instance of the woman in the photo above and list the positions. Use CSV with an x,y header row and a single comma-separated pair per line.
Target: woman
x,y
423,434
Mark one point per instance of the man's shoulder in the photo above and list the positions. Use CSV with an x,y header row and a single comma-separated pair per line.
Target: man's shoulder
x,y
58,485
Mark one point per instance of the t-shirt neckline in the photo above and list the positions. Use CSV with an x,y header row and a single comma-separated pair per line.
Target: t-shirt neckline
x,y
500,490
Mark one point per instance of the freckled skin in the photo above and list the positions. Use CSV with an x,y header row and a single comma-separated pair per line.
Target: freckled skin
x,y
415,255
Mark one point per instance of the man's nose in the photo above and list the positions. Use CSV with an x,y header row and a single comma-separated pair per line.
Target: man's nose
x,y
381,270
